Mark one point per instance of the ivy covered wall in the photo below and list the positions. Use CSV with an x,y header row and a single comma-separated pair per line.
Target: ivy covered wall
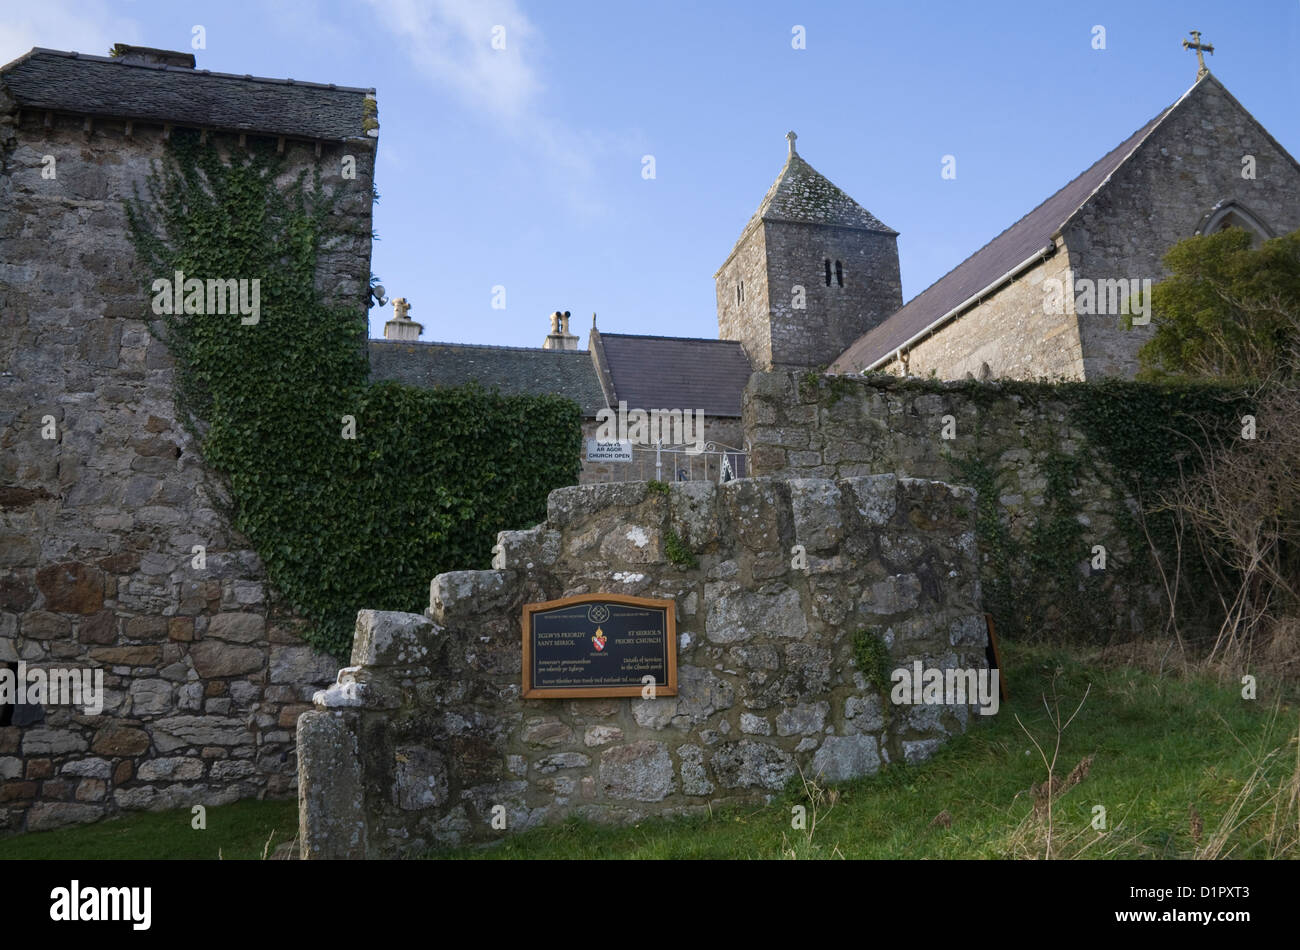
x,y
1069,479
354,495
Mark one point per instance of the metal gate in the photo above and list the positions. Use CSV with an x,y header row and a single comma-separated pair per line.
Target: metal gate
x,y
672,463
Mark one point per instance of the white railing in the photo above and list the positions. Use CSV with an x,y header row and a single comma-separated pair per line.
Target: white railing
x,y
673,463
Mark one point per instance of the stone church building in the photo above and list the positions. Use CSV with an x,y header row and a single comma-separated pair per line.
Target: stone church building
x,y
1203,164
813,281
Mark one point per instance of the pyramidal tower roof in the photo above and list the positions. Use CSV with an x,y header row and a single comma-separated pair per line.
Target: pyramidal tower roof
x,y
804,195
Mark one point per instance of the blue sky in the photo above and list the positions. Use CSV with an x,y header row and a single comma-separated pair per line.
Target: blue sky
x,y
523,167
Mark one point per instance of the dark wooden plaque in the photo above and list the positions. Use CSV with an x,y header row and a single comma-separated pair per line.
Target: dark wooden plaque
x,y
599,645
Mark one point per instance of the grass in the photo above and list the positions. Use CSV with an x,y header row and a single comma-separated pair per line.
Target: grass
x,y
1183,766
238,831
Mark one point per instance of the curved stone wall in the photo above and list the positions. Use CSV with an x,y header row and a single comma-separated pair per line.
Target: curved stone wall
x,y
425,738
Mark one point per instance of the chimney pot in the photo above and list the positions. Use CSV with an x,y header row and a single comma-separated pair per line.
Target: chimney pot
x,y
560,338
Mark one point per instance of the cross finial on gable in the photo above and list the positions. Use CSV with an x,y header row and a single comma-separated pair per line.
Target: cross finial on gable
x,y
790,137
1196,44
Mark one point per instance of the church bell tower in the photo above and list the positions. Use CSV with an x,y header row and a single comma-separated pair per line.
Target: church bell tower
x,y
812,271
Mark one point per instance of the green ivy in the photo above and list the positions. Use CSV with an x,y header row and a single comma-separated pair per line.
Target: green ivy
x,y
872,657
678,551
1138,440
340,523
813,382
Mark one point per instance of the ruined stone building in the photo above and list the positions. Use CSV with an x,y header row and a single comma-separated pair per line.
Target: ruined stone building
x,y
103,493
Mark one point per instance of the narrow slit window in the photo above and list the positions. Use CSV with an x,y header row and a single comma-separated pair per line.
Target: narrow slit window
x,y
839,273
828,272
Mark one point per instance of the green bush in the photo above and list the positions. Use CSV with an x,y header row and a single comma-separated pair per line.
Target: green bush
x,y
341,523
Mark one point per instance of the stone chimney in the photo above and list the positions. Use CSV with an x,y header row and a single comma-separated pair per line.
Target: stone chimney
x,y
560,338
126,53
401,327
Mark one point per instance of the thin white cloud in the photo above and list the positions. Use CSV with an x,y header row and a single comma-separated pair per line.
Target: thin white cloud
x,y
451,43
87,26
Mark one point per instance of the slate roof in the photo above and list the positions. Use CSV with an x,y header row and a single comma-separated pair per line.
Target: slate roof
x,y
1017,244
803,195
57,81
514,370
662,372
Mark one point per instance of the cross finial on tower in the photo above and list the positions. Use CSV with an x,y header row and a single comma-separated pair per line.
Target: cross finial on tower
x,y
1196,44
790,137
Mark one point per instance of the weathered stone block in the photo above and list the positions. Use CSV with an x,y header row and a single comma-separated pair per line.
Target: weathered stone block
x,y
301,665
750,764
803,719
43,625
72,587
844,757
464,593
420,778
174,769
43,816
875,497
390,638
237,627
641,771
213,658
115,739
695,779
202,730
602,735
736,614
87,768
815,503
330,788
546,733
561,760
44,740
100,628
150,697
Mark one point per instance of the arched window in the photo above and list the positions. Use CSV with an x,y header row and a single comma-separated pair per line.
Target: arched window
x,y
1232,214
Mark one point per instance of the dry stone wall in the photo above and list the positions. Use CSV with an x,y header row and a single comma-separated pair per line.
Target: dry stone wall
x,y
855,426
426,733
